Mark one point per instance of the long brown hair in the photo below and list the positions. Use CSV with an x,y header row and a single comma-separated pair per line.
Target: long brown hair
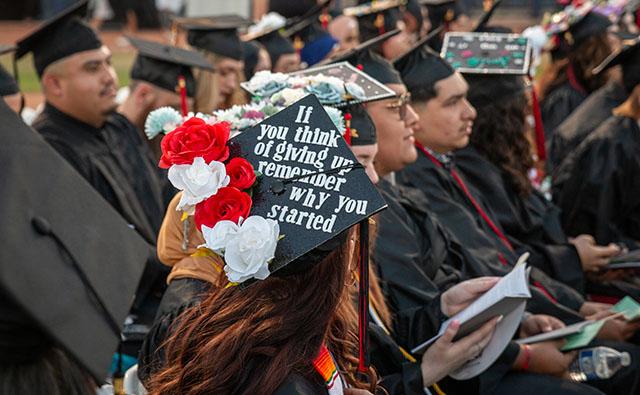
x,y
582,61
248,340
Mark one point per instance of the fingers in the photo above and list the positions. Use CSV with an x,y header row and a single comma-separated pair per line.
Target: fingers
x,y
451,331
587,238
605,252
481,336
472,288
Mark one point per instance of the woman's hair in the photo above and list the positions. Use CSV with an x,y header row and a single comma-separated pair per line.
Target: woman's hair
x,y
582,60
207,96
52,373
248,340
499,129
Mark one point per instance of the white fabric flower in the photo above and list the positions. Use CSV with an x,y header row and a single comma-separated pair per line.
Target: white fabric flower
x,y
248,251
216,238
262,78
291,96
270,21
198,181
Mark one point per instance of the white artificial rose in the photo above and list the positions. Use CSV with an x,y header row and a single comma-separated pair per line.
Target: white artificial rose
x,y
217,238
291,96
197,181
262,78
249,250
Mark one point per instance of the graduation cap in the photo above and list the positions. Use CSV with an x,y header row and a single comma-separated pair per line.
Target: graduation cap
x,y
312,42
268,33
317,12
353,54
376,17
68,260
59,37
572,26
218,34
443,12
490,7
164,65
251,51
359,127
8,84
629,58
420,68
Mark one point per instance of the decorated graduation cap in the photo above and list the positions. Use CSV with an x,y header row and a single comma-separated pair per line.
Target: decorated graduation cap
x,y
218,34
571,27
8,84
420,68
494,64
277,197
268,32
72,278
629,58
336,85
376,17
166,66
59,37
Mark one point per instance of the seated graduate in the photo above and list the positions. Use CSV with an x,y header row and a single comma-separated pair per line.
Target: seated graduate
x,y
68,280
284,57
414,271
446,120
577,49
598,194
275,324
345,30
217,38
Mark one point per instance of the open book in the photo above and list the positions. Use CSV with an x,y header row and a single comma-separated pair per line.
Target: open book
x,y
507,299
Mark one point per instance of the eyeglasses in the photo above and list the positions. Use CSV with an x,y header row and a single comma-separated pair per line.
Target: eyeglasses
x,y
401,103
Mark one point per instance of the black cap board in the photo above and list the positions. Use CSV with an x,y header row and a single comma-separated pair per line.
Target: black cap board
x,y
486,16
251,50
629,58
59,37
488,53
67,258
314,42
215,34
310,13
376,17
442,12
162,65
311,210
373,89
352,54
379,68
8,84
421,68
362,130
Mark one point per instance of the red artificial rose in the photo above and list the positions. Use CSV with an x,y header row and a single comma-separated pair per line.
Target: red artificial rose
x,y
228,204
192,139
241,173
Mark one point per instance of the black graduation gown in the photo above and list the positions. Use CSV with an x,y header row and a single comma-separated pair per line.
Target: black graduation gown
x,y
558,104
584,120
598,189
487,253
530,221
410,263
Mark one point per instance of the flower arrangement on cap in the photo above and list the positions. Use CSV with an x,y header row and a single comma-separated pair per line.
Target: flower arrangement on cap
x,y
165,119
285,89
216,190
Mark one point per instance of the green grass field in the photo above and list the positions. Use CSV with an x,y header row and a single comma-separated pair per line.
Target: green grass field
x,y
122,62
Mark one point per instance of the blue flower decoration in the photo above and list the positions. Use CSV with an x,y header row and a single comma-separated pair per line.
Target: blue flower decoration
x,y
270,88
160,119
325,92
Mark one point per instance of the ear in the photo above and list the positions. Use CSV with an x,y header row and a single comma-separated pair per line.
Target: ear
x,y
52,84
144,95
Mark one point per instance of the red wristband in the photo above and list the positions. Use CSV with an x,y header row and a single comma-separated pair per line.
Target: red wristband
x,y
527,357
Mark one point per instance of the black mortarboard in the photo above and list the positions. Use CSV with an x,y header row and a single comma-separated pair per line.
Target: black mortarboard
x,y
360,126
379,68
276,44
488,53
314,42
443,12
352,55
218,35
292,9
305,126
8,84
592,24
162,65
421,68
571,27
486,15
67,259
59,37
376,17
629,58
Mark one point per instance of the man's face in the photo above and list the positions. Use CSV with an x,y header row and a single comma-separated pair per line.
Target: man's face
x,y
86,85
394,119
366,155
446,121
345,30
227,72
287,63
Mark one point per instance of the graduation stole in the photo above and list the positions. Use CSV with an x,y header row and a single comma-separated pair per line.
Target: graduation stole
x,y
326,368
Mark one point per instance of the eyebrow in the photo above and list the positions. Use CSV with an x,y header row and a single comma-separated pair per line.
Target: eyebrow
x,y
455,97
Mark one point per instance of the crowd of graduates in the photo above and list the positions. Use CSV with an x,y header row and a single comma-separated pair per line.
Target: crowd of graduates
x,y
119,272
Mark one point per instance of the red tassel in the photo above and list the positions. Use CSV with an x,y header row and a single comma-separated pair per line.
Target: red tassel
x,y
363,298
539,127
347,128
324,19
182,85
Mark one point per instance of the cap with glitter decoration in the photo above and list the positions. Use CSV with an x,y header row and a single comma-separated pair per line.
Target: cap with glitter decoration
x,y
59,37
162,65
